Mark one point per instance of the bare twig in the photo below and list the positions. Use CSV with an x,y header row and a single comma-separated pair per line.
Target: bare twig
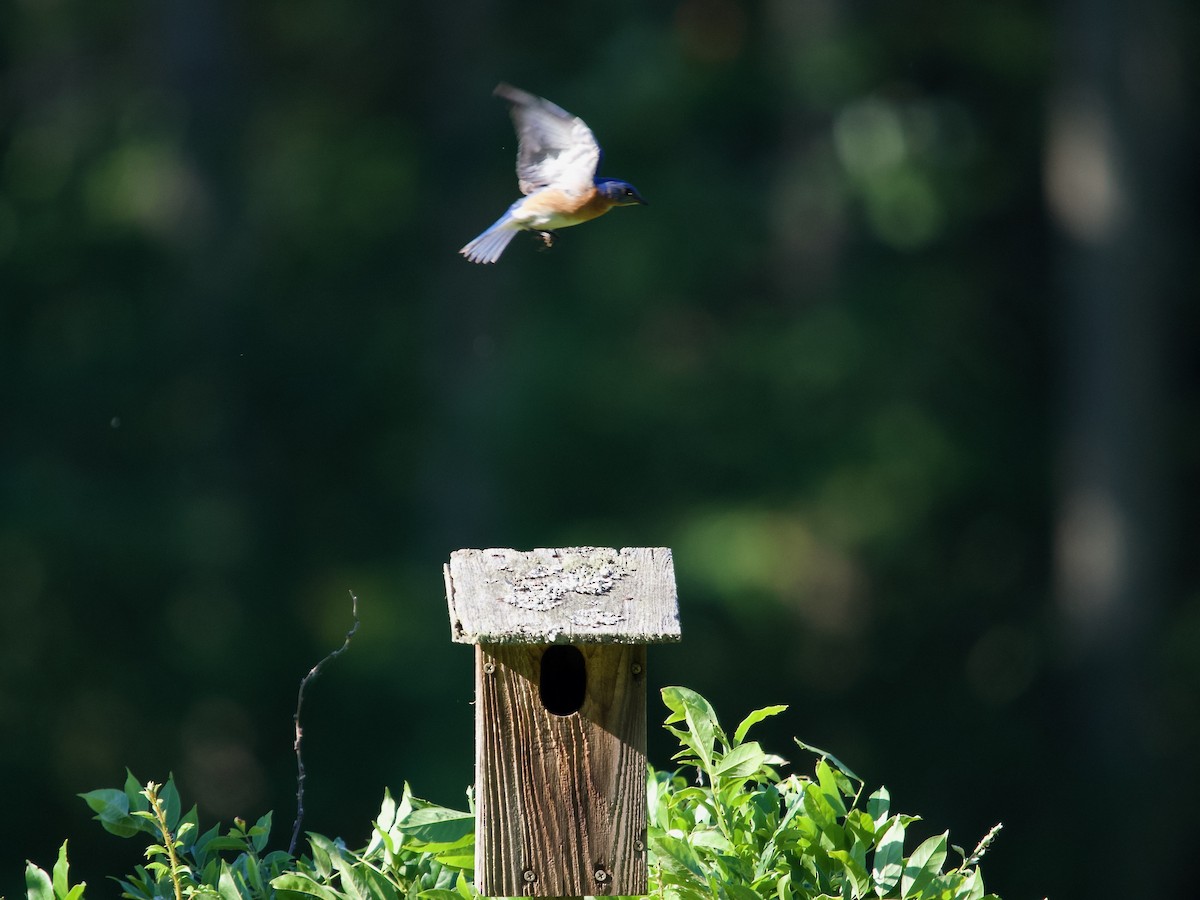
x,y
313,673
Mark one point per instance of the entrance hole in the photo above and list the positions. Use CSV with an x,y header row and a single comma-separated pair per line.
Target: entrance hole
x,y
563,681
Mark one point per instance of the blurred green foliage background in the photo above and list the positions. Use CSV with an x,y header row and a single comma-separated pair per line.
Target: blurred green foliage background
x,y
900,361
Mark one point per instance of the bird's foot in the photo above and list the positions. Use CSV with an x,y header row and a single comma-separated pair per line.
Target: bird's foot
x,y
546,238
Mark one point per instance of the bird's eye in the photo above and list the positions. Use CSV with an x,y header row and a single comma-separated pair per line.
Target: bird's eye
x,y
628,192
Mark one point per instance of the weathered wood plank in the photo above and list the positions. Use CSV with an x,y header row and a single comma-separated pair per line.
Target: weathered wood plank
x,y
560,800
564,595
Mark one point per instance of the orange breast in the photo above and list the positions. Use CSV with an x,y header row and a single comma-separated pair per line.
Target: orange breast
x,y
566,209
595,205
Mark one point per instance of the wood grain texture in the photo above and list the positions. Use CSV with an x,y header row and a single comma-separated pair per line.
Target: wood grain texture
x,y
563,595
560,800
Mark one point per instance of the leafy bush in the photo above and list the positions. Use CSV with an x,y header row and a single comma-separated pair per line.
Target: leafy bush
x,y
726,825
743,832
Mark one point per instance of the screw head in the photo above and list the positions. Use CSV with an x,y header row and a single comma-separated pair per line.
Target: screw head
x,y
600,875
636,668
639,846
529,876
489,668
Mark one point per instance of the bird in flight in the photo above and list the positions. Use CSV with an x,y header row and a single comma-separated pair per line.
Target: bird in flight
x,y
557,159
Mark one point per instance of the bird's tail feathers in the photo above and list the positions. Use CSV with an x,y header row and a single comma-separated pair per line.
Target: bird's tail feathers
x,y
488,246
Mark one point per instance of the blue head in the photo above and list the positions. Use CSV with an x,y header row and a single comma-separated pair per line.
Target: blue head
x,y
618,193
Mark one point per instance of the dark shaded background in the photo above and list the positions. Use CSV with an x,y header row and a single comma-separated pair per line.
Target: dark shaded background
x,y
900,361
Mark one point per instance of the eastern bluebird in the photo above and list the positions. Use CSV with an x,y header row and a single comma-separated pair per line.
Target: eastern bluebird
x,y
557,159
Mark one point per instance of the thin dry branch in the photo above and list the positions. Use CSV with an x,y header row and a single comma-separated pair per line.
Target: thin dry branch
x,y
313,673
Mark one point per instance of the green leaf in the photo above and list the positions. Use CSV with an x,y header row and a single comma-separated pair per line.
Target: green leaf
x,y
375,885
889,858
456,859
189,833
860,824
249,874
38,885
322,851
203,844
260,833
387,812
924,865
737,891
710,838
816,805
226,842
351,881
825,754
406,802
673,854
107,802
830,789
168,795
227,886
941,887
754,718
702,729
388,840
878,806
855,871
133,792
295,883
62,873
656,794
112,811
786,833
740,762
971,887
438,825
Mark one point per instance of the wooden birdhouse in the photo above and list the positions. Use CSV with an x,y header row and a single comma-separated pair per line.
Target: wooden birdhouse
x,y
560,712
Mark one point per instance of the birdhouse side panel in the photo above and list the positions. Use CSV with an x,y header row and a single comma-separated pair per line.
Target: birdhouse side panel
x,y
561,799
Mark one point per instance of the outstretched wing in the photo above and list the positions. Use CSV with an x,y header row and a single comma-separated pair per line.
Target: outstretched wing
x,y
554,148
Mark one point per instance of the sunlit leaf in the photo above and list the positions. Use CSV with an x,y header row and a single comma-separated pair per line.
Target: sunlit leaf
x,y
889,858
702,728
438,825
62,872
924,864
740,762
38,885
830,788
878,806
755,717
295,883
323,852
825,754
387,812
227,884
854,870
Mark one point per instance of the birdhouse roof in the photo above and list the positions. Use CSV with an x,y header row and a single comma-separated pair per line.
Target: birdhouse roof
x,y
564,595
